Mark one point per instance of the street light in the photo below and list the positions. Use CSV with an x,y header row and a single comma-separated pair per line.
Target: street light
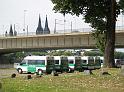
x,y
56,24
64,23
75,22
24,19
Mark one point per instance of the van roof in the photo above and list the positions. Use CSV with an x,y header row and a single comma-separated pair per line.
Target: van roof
x,y
35,57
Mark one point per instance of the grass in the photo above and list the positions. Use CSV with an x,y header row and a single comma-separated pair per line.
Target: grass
x,y
67,82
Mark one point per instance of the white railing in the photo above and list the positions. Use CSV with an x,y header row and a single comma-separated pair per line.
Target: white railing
x,y
118,28
53,32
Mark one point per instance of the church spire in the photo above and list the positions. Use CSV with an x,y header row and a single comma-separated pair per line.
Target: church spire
x,y
39,28
11,31
46,29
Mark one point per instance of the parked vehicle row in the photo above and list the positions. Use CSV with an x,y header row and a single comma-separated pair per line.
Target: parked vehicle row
x,y
119,62
47,64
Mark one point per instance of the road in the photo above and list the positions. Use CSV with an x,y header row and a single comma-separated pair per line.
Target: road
x,y
4,73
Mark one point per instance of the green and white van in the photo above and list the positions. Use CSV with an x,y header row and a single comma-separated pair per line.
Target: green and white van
x,y
36,64
87,62
64,64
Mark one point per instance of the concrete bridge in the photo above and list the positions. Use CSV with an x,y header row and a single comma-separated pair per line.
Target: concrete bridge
x,y
82,40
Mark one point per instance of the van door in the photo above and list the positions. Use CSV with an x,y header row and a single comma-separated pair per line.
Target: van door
x,y
32,66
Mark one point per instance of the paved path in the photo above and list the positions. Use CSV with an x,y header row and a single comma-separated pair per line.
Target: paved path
x,y
4,73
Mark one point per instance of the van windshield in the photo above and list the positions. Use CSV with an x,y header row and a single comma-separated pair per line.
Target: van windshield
x,y
56,62
70,61
97,60
90,60
23,62
83,61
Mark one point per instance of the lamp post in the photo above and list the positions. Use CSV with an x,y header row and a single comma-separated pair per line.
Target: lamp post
x,y
122,22
24,19
57,21
27,30
64,24
55,27
71,26
75,22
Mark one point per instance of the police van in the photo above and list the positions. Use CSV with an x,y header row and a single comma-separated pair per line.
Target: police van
x,y
36,64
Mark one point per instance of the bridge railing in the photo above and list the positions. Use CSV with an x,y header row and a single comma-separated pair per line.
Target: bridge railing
x,y
52,32
118,28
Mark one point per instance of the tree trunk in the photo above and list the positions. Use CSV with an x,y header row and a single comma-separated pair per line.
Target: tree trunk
x,y
110,36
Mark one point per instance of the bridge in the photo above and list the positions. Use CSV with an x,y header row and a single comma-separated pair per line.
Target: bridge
x,y
83,40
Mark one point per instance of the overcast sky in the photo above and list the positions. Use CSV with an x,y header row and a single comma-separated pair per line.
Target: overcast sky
x,y
12,12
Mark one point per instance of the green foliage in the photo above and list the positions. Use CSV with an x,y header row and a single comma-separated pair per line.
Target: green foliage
x,y
19,55
60,53
92,53
94,12
56,53
100,40
122,5
119,55
67,53
101,14
39,53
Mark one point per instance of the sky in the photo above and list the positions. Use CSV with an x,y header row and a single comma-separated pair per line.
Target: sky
x,y
13,12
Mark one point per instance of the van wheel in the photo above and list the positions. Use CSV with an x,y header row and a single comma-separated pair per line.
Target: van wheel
x,y
20,71
40,72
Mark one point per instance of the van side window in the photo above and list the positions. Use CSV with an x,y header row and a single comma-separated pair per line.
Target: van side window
x,y
31,62
42,62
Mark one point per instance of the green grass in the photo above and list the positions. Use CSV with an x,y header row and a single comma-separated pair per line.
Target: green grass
x,y
67,82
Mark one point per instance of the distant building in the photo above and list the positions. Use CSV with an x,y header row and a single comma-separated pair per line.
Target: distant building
x,y
39,28
15,32
11,31
46,29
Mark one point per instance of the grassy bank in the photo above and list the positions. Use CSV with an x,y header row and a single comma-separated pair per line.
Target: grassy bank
x,y
67,82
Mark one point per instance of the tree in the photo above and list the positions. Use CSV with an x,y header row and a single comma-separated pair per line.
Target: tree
x,y
122,5
101,14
